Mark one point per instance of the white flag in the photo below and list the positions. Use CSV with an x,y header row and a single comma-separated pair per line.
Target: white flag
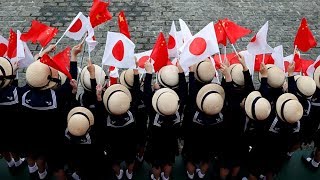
x,y
277,56
90,38
313,67
199,47
3,46
173,42
119,51
258,44
186,33
249,59
141,59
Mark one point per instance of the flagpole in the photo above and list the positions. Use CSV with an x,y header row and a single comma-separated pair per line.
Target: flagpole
x,y
263,56
41,50
225,52
61,38
81,63
235,50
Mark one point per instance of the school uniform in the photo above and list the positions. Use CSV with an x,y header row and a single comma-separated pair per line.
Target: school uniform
x,y
164,131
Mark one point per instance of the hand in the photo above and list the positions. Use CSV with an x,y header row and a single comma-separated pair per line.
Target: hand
x,y
291,68
242,103
179,67
135,72
137,62
74,85
156,86
77,49
285,86
50,48
263,70
148,67
242,62
191,68
99,92
225,71
91,69
15,66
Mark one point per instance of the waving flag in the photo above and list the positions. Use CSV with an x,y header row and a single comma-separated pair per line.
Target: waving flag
x,y
233,31
119,51
201,46
78,27
160,53
220,33
3,46
99,13
173,42
12,45
141,59
258,44
186,33
123,24
304,39
310,70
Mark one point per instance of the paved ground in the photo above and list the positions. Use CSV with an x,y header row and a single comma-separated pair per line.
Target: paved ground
x,y
148,17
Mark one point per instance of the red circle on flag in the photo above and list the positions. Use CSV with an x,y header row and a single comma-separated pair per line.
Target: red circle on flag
x,y
198,46
118,51
142,61
76,26
254,38
171,42
3,49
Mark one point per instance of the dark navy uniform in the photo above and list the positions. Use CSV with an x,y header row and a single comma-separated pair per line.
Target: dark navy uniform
x,y
164,130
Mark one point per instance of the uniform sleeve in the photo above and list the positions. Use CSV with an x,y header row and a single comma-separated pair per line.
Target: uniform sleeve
x,y
292,85
183,91
192,88
264,88
135,94
248,84
73,70
147,91
98,125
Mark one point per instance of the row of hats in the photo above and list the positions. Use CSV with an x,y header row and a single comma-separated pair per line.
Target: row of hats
x,y
288,107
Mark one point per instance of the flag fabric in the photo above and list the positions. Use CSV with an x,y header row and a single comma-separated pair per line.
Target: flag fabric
x,y
78,27
220,33
39,32
249,59
24,55
259,59
119,51
12,45
90,39
305,64
141,59
123,24
99,13
160,53
232,58
201,46
185,31
310,70
233,31
60,61
258,44
304,39
173,42
3,46
113,75
298,62
277,56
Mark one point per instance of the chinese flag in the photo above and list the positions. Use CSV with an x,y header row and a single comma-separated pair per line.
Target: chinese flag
x,y
305,65
298,63
233,31
220,33
99,13
123,25
39,32
160,53
60,61
232,58
304,39
12,45
259,58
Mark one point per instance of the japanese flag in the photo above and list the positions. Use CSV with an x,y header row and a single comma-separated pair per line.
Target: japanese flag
x,y
186,33
3,46
313,67
78,27
119,51
173,42
258,44
277,56
249,59
141,59
199,47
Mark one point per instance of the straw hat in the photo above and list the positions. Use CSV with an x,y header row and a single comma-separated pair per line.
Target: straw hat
x,y
276,77
127,78
117,99
306,85
257,107
79,121
6,72
165,101
236,72
85,77
42,76
289,109
204,71
210,99
168,76
316,76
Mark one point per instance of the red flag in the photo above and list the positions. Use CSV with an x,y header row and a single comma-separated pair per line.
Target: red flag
x,y
39,32
297,60
123,25
232,58
259,58
304,39
60,61
220,33
99,13
233,31
160,53
305,65
12,46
